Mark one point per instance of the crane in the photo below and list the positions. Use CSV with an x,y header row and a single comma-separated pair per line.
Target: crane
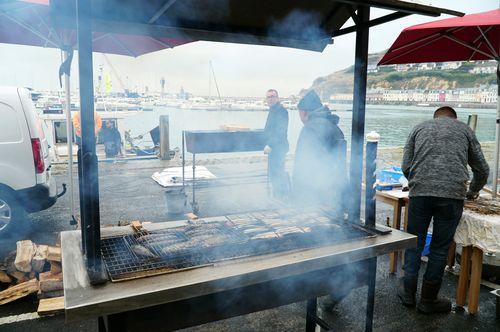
x,y
122,85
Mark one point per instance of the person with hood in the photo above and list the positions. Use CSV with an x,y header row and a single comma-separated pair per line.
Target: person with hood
x,y
111,139
319,172
275,133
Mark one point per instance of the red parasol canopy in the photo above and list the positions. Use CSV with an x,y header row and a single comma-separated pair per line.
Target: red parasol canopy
x,y
471,37
28,22
467,38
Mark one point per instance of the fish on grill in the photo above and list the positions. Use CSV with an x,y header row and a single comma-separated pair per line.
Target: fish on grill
x,y
288,231
142,251
267,235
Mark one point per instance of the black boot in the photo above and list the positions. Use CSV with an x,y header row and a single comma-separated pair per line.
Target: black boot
x,y
407,289
429,302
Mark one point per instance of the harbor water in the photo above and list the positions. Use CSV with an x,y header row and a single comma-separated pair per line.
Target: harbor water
x,y
393,123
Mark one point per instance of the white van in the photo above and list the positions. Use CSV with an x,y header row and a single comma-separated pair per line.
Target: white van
x,y
26,184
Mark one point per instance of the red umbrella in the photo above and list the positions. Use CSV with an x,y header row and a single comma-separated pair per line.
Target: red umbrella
x,y
467,38
28,22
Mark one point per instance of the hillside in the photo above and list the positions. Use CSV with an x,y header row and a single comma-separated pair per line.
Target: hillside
x,y
387,77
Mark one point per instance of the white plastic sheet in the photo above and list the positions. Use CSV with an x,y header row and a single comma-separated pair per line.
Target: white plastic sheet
x,y
172,176
479,230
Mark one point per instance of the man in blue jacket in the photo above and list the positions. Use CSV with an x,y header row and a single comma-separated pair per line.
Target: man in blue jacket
x,y
276,131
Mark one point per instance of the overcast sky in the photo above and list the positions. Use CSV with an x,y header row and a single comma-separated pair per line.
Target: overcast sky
x,y
241,70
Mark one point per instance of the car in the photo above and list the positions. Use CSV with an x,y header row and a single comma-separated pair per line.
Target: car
x,y
26,182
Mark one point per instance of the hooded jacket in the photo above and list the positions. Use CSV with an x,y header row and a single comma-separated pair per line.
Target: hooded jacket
x,y
319,173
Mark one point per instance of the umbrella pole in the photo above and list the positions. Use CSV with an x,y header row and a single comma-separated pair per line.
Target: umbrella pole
x,y
69,135
497,136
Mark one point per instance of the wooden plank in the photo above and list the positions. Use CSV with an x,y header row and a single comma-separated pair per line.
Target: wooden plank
x,y
463,279
5,278
451,254
50,282
18,291
40,257
54,254
25,250
475,280
396,223
51,306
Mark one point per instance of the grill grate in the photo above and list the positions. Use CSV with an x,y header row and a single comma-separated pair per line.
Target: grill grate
x,y
206,242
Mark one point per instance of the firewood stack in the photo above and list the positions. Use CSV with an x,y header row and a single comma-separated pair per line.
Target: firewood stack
x,y
31,269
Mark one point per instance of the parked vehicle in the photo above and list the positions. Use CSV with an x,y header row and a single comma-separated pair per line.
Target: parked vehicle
x,y
26,184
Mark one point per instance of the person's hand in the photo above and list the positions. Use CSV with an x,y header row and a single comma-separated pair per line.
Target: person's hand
x,y
267,149
471,195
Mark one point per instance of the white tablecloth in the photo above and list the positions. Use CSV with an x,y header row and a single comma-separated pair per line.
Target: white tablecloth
x,y
479,230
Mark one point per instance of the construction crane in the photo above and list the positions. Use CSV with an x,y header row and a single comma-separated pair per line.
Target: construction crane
x,y
115,73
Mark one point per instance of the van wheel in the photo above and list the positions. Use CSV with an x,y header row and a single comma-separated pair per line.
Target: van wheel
x,y
12,214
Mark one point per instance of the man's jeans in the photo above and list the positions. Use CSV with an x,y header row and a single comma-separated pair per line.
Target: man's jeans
x,y
446,213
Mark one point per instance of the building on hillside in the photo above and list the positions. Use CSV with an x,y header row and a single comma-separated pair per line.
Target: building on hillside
x,y
449,65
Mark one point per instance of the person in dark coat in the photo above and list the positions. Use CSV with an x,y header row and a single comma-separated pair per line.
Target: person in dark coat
x,y
276,135
319,174
111,139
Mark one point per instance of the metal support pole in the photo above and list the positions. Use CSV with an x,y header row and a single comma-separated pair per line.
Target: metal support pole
x,y
370,302
497,137
311,312
183,163
164,138
358,109
370,178
90,191
69,135
193,204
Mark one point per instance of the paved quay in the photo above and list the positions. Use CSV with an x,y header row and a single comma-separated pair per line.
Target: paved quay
x,y
128,193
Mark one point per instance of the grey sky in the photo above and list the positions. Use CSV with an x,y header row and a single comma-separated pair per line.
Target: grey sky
x,y
241,70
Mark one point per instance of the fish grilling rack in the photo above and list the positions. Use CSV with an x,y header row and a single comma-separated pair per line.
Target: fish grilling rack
x,y
205,243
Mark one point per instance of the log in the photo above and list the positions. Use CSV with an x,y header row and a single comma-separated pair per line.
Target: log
x,y
5,278
38,261
50,282
49,295
24,254
54,254
51,306
136,225
19,276
18,291
55,267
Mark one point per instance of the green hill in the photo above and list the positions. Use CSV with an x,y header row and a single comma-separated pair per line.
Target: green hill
x,y
387,77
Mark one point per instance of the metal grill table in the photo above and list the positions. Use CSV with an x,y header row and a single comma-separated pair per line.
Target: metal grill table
x,y
263,282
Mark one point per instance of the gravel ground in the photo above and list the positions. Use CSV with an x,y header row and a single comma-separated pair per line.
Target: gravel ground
x,y
128,193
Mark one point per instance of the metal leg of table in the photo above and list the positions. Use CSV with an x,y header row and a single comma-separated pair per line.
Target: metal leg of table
x,y
312,318
193,204
370,302
312,309
111,323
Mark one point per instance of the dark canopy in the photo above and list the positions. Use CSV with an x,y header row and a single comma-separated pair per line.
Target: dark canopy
x,y
300,24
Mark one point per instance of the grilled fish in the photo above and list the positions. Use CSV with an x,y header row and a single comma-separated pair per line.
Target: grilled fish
x,y
142,251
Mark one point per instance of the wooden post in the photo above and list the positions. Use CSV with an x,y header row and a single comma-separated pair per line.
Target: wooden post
x,y
164,138
472,122
475,280
463,279
451,254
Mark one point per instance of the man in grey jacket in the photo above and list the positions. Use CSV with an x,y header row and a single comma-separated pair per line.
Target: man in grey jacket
x,y
435,161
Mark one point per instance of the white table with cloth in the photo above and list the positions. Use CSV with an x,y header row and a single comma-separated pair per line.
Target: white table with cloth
x,y
477,233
